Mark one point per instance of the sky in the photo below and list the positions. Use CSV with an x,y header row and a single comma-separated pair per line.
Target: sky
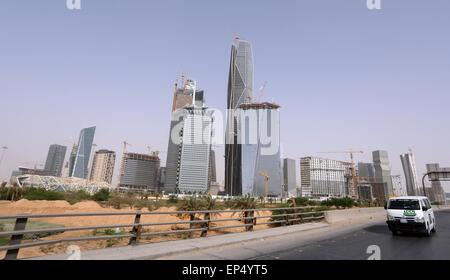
x,y
346,77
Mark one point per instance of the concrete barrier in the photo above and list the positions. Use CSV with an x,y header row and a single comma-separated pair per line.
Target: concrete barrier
x,y
440,207
355,215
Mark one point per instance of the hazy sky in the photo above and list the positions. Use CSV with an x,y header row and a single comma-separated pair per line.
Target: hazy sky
x,y
345,76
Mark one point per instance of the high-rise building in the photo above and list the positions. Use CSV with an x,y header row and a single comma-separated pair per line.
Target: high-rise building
x,y
72,157
55,159
139,172
83,154
383,171
103,166
260,162
366,171
194,167
322,177
189,161
289,178
212,166
240,90
409,168
161,178
398,188
183,96
438,194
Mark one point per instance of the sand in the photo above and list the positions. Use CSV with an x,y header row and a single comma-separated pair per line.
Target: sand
x,y
59,207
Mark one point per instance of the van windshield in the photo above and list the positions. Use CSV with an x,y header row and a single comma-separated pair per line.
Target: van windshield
x,y
408,204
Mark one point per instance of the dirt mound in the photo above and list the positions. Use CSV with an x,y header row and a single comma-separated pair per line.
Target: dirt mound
x,y
25,203
88,205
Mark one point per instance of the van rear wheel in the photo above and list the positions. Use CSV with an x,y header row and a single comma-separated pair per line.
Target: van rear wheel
x,y
394,232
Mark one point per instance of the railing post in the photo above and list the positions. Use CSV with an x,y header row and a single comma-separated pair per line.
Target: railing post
x,y
12,254
136,231
286,218
205,225
249,214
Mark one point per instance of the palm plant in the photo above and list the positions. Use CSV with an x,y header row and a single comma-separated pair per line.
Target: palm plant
x,y
192,203
208,204
244,203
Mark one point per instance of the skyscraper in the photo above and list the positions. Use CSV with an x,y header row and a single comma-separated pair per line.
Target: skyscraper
x,y
366,171
188,167
259,160
72,157
383,171
83,154
212,166
240,90
139,172
409,168
55,159
289,177
398,188
103,166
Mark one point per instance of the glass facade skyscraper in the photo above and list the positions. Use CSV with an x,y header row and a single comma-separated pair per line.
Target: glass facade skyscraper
x,y
240,90
410,170
55,159
83,154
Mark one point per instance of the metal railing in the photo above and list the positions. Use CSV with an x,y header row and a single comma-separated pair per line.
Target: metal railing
x,y
291,215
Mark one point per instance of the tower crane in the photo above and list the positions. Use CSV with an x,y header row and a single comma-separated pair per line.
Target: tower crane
x,y
354,177
266,182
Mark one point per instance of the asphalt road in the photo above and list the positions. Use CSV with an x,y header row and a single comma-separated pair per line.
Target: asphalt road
x,y
339,243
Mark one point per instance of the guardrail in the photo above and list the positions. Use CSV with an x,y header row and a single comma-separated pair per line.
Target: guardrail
x,y
290,215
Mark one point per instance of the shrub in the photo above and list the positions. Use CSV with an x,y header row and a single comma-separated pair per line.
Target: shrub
x,y
173,199
101,195
345,202
142,203
74,197
42,194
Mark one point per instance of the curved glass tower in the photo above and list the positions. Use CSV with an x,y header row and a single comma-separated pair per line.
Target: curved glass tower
x,y
81,159
240,89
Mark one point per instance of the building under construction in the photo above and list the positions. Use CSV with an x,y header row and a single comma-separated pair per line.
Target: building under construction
x,y
139,172
259,142
189,166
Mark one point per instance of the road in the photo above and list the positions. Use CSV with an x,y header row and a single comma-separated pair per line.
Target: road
x,y
339,243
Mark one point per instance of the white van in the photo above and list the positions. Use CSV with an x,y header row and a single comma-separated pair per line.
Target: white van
x,y
410,214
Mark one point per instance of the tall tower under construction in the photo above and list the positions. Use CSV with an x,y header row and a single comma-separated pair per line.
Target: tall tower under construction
x,y
189,163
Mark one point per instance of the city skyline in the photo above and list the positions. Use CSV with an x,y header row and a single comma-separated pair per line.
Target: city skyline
x,y
309,63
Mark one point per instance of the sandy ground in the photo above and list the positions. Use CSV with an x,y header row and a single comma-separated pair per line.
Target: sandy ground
x,y
59,207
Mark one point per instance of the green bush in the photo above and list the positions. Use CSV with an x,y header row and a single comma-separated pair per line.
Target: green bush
x,y
78,196
102,195
173,199
345,202
42,194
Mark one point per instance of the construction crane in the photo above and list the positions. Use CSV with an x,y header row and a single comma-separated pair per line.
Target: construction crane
x,y
266,182
125,144
354,177
261,92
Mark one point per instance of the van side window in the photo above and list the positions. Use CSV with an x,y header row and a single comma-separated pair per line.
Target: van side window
x,y
427,203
